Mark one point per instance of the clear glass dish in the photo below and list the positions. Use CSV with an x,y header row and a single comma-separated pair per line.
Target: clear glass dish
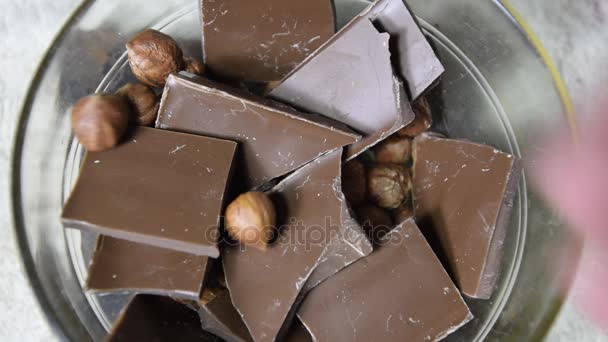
x,y
497,90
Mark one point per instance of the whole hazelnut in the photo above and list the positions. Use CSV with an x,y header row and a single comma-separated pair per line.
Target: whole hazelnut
x,y
153,56
402,213
423,119
394,149
251,219
376,222
143,101
388,185
99,121
353,182
193,66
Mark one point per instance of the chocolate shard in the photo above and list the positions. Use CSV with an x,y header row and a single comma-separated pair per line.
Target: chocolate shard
x,y
398,293
218,316
417,63
155,318
159,188
266,286
125,266
463,195
350,244
262,40
274,139
350,79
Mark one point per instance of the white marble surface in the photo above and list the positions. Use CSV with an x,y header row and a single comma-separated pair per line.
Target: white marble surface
x,y
574,33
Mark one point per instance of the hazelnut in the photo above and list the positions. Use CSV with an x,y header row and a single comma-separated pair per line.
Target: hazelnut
x,y
208,295
353,182
251,219
388,185
423,119
99,121
375,221
395,150
402,213
193,66
153,56
144,102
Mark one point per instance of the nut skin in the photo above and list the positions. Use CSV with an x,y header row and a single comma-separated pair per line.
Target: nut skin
x,y
251,219
423,119
375,221
153,56
100,121
394,149
143,101
193,66
388,185
354,182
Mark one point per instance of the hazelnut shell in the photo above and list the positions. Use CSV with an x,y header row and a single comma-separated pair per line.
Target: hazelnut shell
x,y
99,121
143,101
394,149
251,219
422,122
374,220
388,185
354,182
193,66
153,56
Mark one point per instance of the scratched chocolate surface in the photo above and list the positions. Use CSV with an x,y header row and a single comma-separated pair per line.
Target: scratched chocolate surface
x,y
160,188
262,40
273,138
463,193
125,266
398,293
350,79
279,274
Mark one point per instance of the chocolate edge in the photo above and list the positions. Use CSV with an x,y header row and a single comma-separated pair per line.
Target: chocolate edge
x,y
491,270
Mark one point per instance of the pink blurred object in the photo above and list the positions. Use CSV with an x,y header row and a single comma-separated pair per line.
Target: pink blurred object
x,y
574,179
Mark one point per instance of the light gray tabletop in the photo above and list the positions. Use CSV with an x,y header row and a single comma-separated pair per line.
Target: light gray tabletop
x,y
574,33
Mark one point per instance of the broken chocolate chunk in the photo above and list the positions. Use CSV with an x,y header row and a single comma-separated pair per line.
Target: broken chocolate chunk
x,y
121,265
398,293
218,316
160,188
417,63
463,195
312,210
274,139
155,318
350,79
262,40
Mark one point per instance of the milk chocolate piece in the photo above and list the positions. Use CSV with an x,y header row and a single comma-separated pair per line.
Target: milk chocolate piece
x,y
350,79
463,195
417,63
154,318
262,40
121,265
159,188
265,285
274,139
398,293
218,316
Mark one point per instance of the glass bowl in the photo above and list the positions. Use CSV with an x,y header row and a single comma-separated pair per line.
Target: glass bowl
x,y
498,89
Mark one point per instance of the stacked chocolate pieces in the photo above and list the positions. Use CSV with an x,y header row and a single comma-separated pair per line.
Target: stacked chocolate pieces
x,y
157,199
